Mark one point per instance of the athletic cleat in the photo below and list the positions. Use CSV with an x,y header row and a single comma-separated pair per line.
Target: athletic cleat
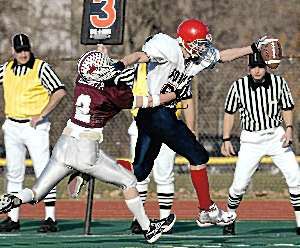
x,y
8,225
135,227
220,217
48,225
76,182
8,202
155,230
215,216
229,229
169,223
204,220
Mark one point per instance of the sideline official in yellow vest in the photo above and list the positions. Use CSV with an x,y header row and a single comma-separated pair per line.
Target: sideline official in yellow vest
x,y
31,91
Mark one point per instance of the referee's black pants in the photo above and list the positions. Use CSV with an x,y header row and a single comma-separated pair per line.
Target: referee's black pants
x,y
160,125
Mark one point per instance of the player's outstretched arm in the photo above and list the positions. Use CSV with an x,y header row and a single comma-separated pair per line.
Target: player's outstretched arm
x,y
133,58
235,53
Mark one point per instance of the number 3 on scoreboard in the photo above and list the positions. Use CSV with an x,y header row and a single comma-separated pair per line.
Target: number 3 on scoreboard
x,y
110,11
82,112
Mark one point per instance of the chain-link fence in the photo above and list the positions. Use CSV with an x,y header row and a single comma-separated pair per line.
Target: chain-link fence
x,y
210,90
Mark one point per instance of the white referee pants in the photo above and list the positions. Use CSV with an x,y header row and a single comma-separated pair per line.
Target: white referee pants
x,y
255,145
18,136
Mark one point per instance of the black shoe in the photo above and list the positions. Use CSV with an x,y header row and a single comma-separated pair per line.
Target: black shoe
x,y
48,226
229,229
298,230
8,225
136,228
169,223
155,230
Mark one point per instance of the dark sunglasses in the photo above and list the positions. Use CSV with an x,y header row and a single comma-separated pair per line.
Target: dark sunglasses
x,y
19,50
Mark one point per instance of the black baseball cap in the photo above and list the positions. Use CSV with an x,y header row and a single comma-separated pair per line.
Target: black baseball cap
x,y
20,42
255,59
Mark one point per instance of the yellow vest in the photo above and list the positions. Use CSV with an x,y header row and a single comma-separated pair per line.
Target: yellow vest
x,y
140,87
24,95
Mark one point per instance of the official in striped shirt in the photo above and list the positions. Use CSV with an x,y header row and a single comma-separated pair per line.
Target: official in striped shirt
x,y
264,102
31,91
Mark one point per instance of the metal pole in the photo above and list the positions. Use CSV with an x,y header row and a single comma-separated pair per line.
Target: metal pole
x,y
89,207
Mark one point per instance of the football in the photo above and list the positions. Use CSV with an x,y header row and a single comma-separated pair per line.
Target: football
x,y
271,52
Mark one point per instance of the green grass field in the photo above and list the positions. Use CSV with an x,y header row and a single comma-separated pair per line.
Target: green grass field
x,y
115,234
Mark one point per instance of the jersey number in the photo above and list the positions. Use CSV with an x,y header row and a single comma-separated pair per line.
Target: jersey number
x,y
110,11
82,112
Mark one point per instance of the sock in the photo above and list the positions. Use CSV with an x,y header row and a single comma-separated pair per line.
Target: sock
x,y
26,195
297,215
126,164
50,201
295,201
233,202
201,185
135,205
142,188
165,195
14,214
50,212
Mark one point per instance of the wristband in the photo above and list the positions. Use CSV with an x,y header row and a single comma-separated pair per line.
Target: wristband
x,y
134,102
291,126
226,139
145,102
155,100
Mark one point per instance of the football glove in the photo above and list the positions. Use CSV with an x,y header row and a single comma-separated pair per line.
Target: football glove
x,y
256,45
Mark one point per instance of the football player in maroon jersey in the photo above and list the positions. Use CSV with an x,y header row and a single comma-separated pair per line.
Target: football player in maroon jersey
x,y
100,93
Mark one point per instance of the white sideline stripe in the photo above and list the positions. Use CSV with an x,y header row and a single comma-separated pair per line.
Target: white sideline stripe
x,y
126,235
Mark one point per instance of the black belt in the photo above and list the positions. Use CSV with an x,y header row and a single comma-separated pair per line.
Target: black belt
x,y
19,120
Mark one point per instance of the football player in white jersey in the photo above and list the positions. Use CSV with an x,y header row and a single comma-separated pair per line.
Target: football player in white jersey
x,y
173,62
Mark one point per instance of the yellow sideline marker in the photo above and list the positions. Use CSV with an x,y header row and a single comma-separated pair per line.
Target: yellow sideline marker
x,y
181,160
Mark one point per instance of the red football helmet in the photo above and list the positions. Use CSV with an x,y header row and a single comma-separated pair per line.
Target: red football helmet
x,y
194,36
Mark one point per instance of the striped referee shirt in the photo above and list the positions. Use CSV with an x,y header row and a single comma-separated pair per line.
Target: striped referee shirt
x,y
48,77
259,105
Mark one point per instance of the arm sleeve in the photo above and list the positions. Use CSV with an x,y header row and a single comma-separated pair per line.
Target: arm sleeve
x,y
286,96
231,102
49,78
187,92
